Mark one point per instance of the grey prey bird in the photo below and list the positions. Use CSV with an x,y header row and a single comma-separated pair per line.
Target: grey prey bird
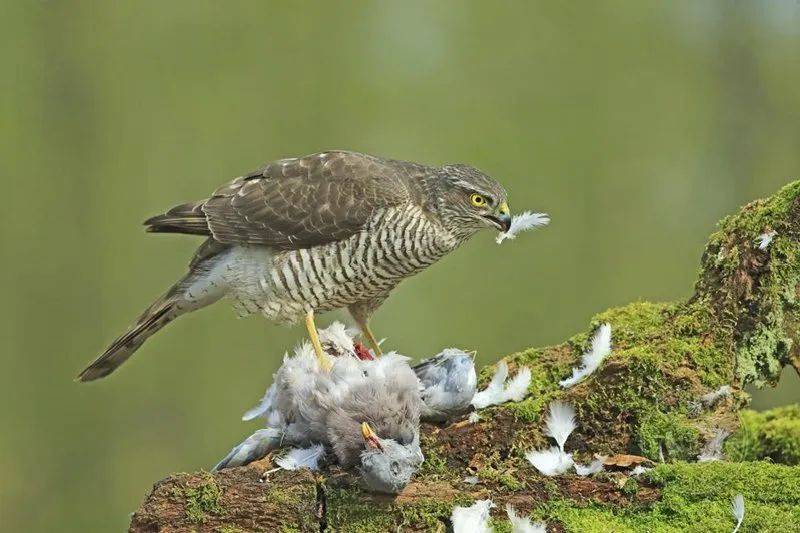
x,y
447,384
305,235
365,411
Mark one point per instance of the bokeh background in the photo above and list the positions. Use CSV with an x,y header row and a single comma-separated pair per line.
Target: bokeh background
x,y
636,125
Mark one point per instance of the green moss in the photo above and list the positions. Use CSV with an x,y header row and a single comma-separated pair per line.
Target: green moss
x,y
435,464
669,336
202,500
754,292
542,390
773,434
667,432
758,481
501,526
695,498
531,408
631,487
350,509
292,497
500,476
634,322
428,515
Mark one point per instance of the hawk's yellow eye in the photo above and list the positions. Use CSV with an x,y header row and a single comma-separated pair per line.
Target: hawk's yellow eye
x,y
478,200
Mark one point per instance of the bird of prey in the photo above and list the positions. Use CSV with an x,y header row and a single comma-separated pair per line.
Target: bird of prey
x,y
365,411
301,236
447,384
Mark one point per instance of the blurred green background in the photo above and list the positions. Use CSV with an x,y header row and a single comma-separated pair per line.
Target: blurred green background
x,y
636,125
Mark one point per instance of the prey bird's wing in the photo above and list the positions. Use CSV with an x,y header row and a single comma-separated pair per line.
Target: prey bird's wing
x,y
431,371
296,203
253,448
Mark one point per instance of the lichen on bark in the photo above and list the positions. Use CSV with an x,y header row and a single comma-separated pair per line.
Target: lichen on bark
x,y
739,327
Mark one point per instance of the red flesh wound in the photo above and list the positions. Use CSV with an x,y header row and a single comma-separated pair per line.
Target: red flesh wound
x,y
363,353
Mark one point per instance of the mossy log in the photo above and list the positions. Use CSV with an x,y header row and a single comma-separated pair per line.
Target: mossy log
x,y
739,327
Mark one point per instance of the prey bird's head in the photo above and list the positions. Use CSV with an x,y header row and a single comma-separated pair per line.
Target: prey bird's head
x,y
471,200
386,464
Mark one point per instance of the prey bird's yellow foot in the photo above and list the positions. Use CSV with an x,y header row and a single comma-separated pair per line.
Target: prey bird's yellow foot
x,y
322,357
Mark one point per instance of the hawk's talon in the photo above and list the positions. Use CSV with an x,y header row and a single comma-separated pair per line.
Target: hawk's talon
x,y
322,357
373,342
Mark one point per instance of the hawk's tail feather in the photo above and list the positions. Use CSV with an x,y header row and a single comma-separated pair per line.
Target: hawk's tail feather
x,y
158,315
197,289
185,218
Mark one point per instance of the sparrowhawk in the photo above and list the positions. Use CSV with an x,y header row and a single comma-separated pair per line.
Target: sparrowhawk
x,y
306,235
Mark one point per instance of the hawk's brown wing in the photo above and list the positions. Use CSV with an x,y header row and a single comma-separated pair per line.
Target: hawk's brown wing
x,y
296,203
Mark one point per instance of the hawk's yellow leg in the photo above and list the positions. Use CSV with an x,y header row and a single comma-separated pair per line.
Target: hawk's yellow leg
x,y
322,357
371,339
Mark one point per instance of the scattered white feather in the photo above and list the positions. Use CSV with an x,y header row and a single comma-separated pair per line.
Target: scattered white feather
x,y
523,525
501,391
660,452
516,389
473,519
471,480
737,508
765,239
550,462
592,468
712,451
639,470
494,389
591,360
560,422
474,417
713,397
523,222
302,458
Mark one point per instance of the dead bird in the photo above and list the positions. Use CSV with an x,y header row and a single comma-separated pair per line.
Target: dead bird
x,y
366,412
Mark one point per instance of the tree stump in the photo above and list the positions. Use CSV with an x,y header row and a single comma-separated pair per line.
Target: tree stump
x,y
739,327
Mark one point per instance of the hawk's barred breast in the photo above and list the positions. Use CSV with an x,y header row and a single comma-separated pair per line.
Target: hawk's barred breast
x,y
397,243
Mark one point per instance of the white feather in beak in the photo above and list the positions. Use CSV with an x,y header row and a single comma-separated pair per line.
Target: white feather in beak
x,y
524,222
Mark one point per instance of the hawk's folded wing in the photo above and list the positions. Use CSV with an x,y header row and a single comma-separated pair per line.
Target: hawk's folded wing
x,y
296,203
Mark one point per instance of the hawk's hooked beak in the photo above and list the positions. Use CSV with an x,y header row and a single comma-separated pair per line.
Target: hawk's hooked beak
x,y
502,217
370,437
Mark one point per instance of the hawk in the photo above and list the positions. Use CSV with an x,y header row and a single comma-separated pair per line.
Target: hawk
x,y
301,236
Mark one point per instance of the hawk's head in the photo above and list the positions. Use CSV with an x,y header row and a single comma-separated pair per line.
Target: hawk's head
x,y
471,200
